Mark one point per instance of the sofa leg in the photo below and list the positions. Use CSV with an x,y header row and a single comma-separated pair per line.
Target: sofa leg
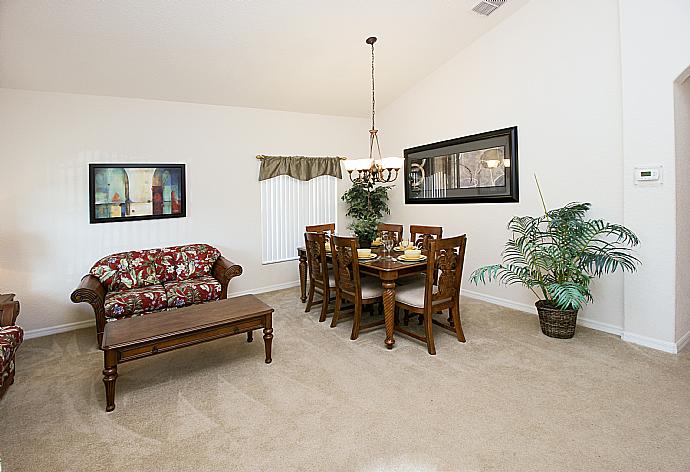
x,y
109,377
250,336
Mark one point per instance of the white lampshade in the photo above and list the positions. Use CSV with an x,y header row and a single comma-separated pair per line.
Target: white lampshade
x,y
392,162
363,164
350,164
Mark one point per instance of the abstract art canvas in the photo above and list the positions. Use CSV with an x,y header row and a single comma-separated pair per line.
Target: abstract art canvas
x,y
481,168
128,192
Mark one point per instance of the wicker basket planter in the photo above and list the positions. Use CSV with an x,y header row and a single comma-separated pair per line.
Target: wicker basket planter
x,y
556,323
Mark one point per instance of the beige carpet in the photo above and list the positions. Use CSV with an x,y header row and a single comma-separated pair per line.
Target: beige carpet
x,y
510,399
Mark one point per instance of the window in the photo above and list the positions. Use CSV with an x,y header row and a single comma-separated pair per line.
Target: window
x,y
287,206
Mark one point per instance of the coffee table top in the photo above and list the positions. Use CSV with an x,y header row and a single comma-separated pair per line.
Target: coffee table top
x,y
159,325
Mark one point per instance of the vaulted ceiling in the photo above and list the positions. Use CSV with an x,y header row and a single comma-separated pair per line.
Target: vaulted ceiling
x,y
297,55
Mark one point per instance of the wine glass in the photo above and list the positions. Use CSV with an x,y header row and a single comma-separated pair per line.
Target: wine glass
x,y
388,244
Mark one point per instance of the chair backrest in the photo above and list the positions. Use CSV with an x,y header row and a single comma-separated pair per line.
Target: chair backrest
x,y
446,258
394,230
328,229
420,235
315,244
346,266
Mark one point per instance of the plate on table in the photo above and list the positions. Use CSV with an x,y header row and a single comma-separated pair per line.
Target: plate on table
x,y
370,257
402,249
376,244
404,258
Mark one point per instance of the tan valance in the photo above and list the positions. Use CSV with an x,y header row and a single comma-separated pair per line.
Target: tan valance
x,y
299,167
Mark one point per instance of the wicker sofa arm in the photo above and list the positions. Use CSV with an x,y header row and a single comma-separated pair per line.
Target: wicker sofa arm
x,y
92,291
224,270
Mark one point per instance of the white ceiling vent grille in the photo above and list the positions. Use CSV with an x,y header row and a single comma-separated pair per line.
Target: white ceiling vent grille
x,y
487,7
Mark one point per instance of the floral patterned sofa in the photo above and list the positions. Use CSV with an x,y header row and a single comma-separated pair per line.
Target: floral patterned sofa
x,y
138,282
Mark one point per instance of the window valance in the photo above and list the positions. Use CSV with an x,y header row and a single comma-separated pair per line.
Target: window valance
x,y
299,167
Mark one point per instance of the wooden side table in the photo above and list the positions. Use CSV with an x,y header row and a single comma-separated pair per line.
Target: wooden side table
x,y
9,309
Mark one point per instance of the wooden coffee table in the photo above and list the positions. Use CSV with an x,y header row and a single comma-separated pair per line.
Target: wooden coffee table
x,y
133,338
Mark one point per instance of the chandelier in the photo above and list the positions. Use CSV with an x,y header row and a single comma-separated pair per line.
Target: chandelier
x,y
371,171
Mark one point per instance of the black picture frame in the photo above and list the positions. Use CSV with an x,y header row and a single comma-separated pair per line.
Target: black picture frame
x,y
447,183
177,202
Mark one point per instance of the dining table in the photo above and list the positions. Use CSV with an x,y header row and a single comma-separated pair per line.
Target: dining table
x,y
387,269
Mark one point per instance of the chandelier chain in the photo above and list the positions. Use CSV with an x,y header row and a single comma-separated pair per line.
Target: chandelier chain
x,y
373,96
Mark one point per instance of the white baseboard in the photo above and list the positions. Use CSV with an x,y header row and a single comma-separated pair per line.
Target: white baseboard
x,y
63,328
683,341
267,288
650,342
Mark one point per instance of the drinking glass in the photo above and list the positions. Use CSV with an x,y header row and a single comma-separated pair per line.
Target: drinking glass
x,y
388,245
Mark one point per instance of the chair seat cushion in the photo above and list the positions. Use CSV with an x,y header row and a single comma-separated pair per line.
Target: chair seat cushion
x,y
10,339
413,294
192,291
136,301
371,288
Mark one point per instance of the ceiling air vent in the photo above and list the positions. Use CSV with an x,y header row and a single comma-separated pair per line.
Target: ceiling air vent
x,y
487,7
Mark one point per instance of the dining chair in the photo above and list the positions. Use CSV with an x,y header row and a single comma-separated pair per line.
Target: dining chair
x,y
319,278
328,229
440,290
419,234
350,286
395,230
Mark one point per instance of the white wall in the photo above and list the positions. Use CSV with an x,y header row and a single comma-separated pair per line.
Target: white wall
x,y
552,69
654,46
682,135
47,140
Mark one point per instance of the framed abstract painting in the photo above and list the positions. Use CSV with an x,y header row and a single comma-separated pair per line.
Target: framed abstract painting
x,y
481,168
130,192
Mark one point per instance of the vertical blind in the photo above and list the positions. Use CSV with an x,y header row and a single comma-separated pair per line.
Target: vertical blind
x,y
287,206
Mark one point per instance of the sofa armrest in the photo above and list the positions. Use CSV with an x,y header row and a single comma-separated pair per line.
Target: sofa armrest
x,y
224,270
9,310
92,291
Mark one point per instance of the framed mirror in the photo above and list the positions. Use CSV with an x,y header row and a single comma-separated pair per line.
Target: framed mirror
x,y
481,168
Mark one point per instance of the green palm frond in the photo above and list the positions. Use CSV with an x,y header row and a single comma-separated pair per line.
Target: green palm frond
x,y
560,253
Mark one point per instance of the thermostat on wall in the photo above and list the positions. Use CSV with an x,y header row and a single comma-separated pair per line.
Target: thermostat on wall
x,y
649,175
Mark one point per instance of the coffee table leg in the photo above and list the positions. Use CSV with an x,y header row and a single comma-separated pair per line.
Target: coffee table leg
x,y
303,277
268,338
250,336
109,377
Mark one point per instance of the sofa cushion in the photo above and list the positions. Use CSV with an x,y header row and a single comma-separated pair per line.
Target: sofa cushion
x,y
135,301
185,262
143,266
115,272
10,339
191,291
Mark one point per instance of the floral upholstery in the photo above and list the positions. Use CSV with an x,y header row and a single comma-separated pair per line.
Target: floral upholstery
x,y
192,291
136,269
10,339
135,301
114,272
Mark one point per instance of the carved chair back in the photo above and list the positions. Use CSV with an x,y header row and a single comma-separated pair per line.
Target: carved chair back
x,y
315,244
446,258
346,267
396,231
421,235
328,229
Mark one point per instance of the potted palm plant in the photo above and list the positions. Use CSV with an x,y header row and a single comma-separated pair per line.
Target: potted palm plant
x,y
366,205
557,255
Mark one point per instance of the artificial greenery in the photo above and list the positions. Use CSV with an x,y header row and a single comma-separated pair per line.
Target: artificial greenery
x,y
560,253
366,205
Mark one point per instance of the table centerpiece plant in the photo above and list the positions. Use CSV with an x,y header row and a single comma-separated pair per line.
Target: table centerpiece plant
x,y
366,205
556,256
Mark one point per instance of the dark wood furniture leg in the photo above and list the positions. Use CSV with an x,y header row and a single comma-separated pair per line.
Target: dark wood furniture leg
x,y
303,276
109,377
268,338
388,285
